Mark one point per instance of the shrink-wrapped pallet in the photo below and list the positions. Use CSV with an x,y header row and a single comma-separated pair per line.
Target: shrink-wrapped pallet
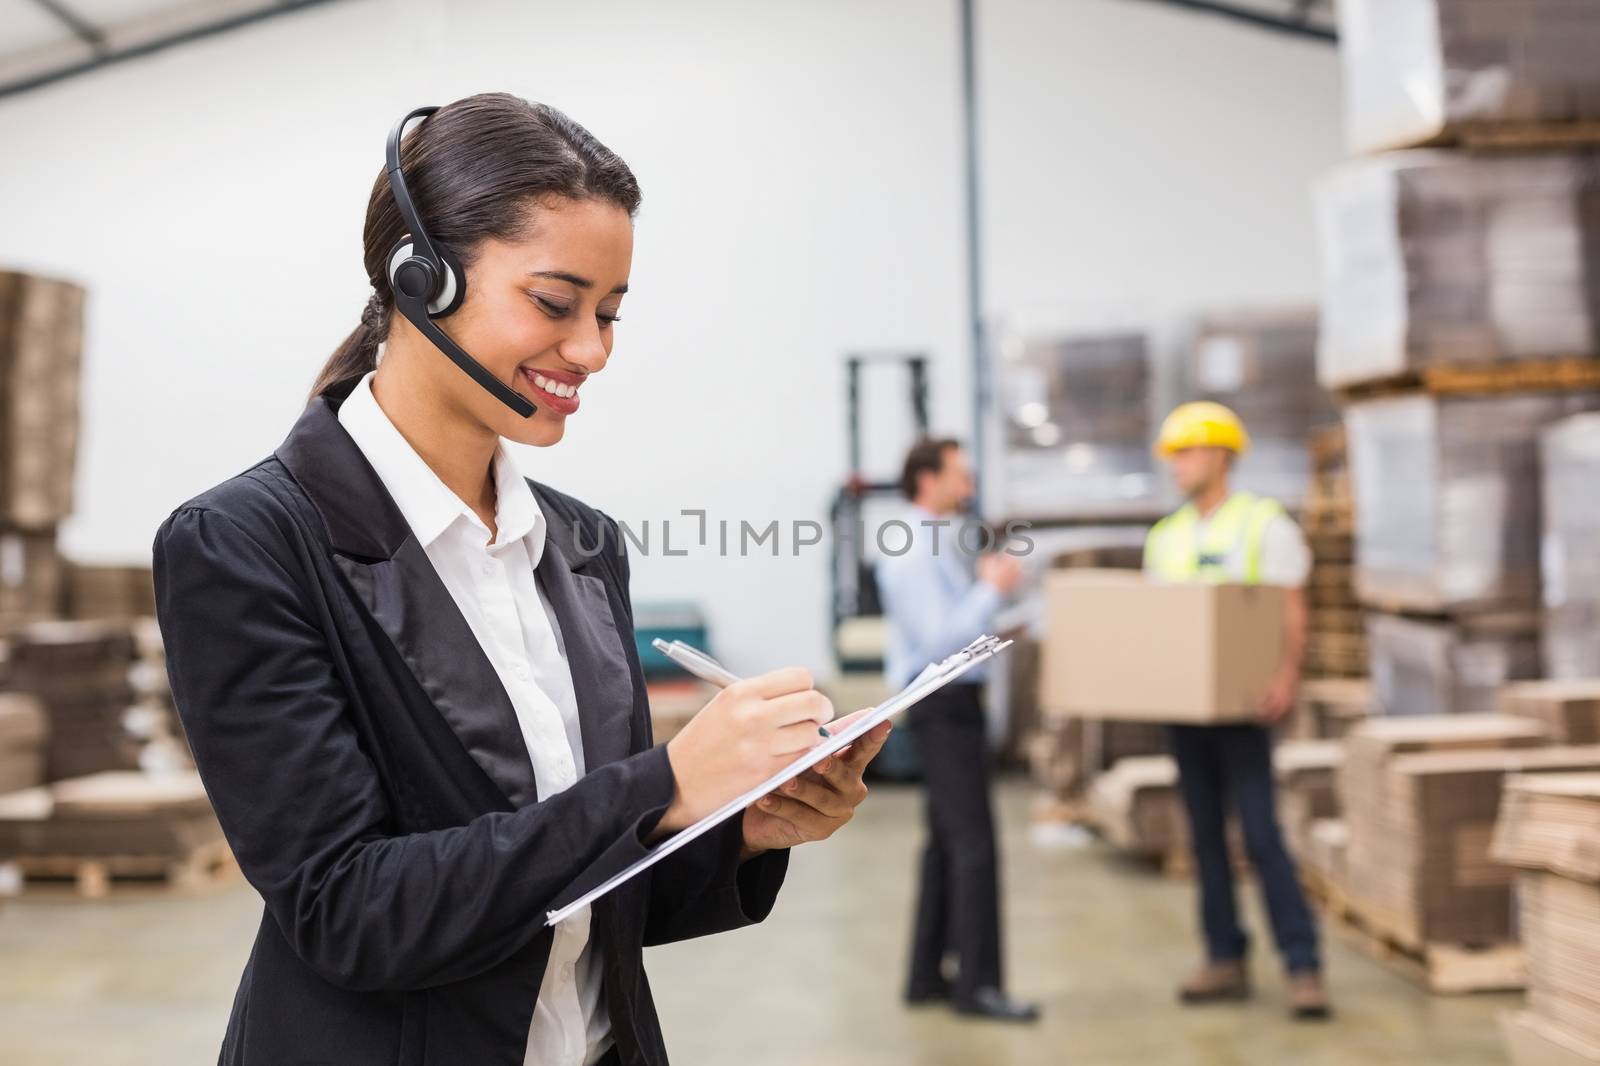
x,y
1570,552
1426,666
1420,71
1447,497
1446,258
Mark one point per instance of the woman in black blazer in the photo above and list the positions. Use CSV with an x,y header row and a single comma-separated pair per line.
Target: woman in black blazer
x,y
364,758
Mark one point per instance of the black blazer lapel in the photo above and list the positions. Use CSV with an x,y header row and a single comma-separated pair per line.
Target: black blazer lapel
x,y
595,655
397,584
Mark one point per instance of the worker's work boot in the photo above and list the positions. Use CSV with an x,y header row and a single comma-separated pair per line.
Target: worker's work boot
x,y
1216,982
1308,996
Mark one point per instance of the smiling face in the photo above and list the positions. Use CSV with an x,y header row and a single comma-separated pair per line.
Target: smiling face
x,y
540,315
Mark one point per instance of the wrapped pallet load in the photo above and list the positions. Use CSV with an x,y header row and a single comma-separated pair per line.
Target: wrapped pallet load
x,y
1571,547
1421,71
1435,257
1447,497
1428,666
1262,364
1077,427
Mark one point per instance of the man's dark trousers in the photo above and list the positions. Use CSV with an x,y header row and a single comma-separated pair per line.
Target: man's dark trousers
x,y
958,905
1215,764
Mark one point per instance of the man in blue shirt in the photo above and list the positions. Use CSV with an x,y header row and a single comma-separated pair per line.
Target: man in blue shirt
x,y
935,607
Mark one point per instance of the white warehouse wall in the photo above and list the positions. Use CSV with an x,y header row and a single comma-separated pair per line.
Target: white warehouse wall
x,y
801,170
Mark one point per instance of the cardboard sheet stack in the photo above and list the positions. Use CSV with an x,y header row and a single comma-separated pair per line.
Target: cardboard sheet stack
x,y
1328,842
1447,526
1077,427
1137,807
1067,753
1571,563
41,329
1428,666
1440,257
79,671
1568,710
1549,830
1262,363
1336,643
151,816
1425,70
109,592
1420,798
1307,772
1330,707
24,732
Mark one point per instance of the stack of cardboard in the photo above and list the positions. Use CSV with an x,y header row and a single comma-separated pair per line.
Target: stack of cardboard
x,y
1441,257
1068,752
24,732
1571,565
1428,666
1424,71
1420,797
1569,710
109,814
1137,807
41,329
1549,829
1447,527
122,593
1448,499
1077,427
1262,364
1328,841
1306,771
1330,707
1336,644
80,673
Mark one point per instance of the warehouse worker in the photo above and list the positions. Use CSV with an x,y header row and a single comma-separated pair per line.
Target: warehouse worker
x,y
935,608
1225,536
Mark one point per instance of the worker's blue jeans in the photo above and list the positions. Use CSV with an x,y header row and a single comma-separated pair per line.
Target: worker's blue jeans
x,y
1234,762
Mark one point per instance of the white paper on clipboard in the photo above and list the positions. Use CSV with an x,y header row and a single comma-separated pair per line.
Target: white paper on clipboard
x,y
934,677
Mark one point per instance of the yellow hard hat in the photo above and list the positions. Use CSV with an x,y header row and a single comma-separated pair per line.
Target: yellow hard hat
x,y
1202,425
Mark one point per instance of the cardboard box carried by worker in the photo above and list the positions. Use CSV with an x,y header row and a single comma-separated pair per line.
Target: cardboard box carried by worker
x,y
1121,646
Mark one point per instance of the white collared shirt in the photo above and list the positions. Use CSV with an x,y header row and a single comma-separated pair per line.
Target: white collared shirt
x,y
493,585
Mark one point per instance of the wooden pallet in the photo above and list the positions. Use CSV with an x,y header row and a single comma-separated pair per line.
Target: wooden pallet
x,y
208,867
1442,968
1465,379
1513,136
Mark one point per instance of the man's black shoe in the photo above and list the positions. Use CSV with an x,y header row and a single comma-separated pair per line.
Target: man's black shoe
x,y
995,1005
922,995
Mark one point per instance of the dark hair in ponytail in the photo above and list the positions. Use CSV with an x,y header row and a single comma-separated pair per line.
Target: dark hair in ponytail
x,y
477,169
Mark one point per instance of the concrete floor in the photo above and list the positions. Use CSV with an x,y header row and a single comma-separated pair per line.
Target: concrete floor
x,y
1098,941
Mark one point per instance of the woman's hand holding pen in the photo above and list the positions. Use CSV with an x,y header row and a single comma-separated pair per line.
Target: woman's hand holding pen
x,y
817,803
748,732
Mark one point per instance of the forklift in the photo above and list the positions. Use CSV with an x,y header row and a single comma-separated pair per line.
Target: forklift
x,y
857,623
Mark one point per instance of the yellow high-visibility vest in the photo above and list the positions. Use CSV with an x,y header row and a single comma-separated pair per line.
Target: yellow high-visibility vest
x,y
1174,553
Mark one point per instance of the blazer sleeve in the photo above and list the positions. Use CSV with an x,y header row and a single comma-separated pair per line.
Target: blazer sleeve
x,y
704,888
305,810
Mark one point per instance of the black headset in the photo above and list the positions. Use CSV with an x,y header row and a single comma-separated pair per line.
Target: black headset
x,y
428,282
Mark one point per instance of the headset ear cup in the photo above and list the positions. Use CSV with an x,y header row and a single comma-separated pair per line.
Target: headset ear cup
x,y
454,288
410,275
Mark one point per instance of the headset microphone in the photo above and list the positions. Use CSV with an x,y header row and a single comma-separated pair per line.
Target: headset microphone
x,y
428,282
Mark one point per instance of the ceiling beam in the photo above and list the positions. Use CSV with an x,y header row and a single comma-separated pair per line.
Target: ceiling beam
x,y
110,55
1296,25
